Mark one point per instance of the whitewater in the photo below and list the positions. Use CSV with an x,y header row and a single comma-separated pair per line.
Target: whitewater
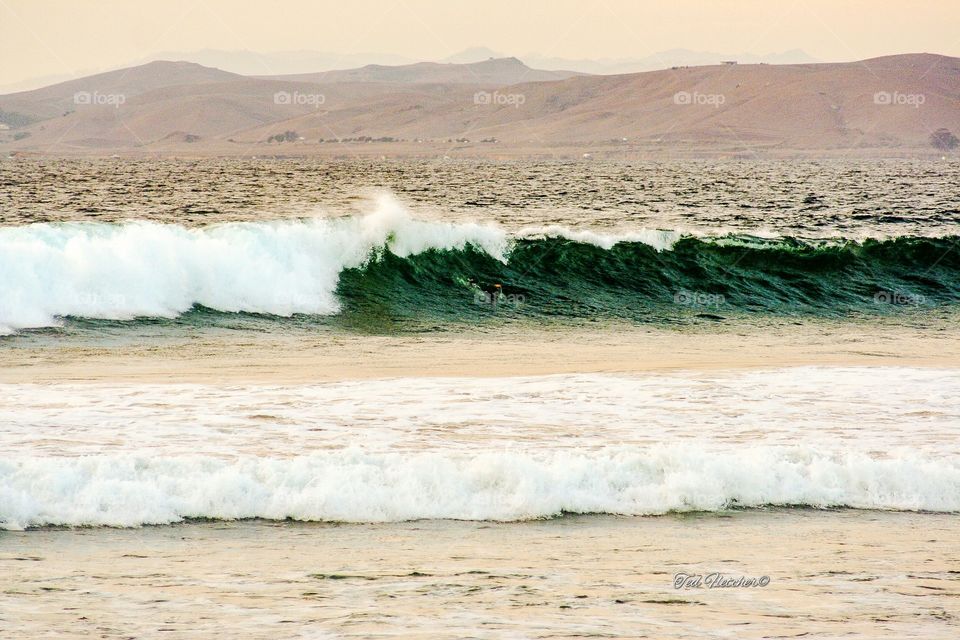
x,y
500,449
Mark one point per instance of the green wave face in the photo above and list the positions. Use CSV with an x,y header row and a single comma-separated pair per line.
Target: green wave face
x,y
553,277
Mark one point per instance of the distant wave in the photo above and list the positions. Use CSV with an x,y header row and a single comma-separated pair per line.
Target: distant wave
x,y
359,486
395,264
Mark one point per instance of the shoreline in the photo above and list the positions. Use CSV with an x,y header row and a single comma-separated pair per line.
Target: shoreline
x,y
302,357
772,510
585,152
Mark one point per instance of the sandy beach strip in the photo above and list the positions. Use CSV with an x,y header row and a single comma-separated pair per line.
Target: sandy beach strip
x,y
303,357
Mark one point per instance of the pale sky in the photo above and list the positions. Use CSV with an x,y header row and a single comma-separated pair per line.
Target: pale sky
x,y
41,38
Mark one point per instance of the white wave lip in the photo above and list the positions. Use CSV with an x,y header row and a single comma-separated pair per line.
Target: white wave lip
x,y
360,486
144,269
661,240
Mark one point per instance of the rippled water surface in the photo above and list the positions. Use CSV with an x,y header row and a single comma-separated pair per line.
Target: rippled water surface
x,y
791,198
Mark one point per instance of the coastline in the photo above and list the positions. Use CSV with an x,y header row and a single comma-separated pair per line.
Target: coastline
x,y
582,152
302,357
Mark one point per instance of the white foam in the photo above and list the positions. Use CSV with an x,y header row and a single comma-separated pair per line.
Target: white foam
x,y
360,486
121,271
481,448
831,407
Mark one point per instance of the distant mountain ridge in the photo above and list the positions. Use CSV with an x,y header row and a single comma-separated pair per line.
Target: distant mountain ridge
x,y
306,62
255,63
499,71
652,62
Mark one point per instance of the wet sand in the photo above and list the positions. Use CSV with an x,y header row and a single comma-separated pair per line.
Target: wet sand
x,y
223,356
842,573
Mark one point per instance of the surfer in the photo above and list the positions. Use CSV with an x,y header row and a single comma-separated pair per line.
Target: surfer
x,y
495,293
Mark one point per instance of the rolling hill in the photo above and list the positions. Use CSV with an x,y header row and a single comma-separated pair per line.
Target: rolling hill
x,y
904,104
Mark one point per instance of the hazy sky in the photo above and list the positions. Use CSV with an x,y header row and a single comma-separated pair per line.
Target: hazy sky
x,y
41,38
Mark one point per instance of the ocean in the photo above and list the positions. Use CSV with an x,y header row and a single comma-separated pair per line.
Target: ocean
x,y
303,398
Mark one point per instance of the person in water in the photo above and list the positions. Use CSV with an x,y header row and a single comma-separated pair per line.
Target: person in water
x,y
491,293
495,293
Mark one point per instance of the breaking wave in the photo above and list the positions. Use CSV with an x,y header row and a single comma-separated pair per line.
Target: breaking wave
x,y
360,486
394,265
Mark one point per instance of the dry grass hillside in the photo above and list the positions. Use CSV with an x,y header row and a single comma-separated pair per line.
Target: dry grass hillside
x,y
905,104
